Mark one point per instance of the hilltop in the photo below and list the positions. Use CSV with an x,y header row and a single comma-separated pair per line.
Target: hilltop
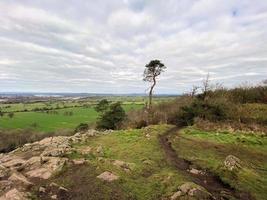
x,y
136,164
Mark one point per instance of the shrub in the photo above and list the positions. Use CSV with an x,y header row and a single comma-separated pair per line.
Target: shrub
x,y
112,117
81,127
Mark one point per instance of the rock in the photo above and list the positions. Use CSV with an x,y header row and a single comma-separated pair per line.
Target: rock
x,y
14,163
42,189
4,172
79,161
85,150
54,185
62,189
100,151
108,176
18,178
193,190
5,185
54,196
14,194
41,173
232,163
33,163
54,163
176,195
196,171
121,164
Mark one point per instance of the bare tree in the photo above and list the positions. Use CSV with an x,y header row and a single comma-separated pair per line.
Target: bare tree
x,y
194,90
206,86
152,70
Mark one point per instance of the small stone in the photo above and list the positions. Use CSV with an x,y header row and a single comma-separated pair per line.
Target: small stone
x,y
231,163
100,150
79,161
54,185
42,189
54,196
108,176
62,189
176,195
196,171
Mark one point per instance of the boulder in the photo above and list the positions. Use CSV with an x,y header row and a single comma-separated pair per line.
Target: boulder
x,y
108,176
232,163
191,190
14,194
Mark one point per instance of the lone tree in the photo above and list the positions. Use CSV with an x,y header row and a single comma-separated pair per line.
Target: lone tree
x,y
152,70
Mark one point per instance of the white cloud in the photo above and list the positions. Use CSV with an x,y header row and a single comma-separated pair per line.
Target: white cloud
x,y
103,46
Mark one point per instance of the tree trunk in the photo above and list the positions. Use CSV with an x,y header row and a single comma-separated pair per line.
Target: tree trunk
x,y
151,93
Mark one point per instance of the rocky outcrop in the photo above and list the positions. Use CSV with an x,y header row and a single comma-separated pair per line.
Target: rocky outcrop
x,y
191,191
39,160
14,194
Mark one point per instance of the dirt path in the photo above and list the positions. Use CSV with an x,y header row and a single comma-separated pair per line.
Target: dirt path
x,y
209,181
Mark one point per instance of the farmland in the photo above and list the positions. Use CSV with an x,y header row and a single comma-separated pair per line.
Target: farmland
x,y
52,121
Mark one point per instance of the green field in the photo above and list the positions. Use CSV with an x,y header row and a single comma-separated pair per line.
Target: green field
x,y
42,121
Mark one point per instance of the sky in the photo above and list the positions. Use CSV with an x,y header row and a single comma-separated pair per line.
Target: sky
x,y
102,46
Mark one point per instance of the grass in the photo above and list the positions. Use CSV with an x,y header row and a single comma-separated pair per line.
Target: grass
x,y
151,177
41,121
211,148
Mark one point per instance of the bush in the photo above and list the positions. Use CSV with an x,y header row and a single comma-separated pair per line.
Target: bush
x,y
112,117
81,127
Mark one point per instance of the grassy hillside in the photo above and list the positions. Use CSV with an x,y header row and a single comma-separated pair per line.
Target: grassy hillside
x,y
149,175
208,150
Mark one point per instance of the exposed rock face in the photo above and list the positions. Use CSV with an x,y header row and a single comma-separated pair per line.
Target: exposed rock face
x,y
192,191
232,163
108,176
38,160
14,194
18,178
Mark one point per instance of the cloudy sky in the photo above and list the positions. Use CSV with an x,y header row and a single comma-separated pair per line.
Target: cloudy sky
x,y
102,46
